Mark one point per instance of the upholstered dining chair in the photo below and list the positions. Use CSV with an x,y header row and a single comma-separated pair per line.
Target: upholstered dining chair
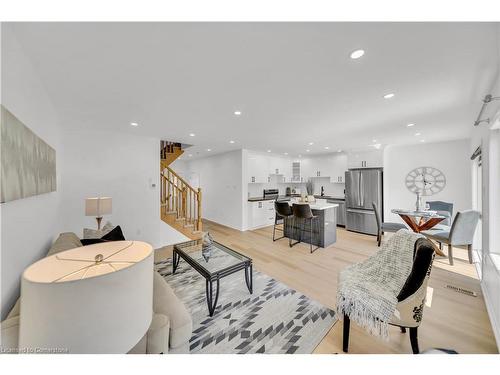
x,y
461,233
411,298
444,209
384,227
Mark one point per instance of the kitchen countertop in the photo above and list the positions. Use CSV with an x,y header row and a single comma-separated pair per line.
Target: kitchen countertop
x,y
329,197
281,197
259,199
322,206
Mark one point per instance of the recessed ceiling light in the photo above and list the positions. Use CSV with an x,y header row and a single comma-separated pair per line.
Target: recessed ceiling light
x,y
192,134
339,150
311,143
388,96
357,54
231,141
308,150
134,124
268,150
237,113
286,153
417,134
327,148
410,125
190,155
422,140
209,149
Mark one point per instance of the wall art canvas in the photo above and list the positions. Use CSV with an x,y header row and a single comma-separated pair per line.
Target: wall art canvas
x,y
28,164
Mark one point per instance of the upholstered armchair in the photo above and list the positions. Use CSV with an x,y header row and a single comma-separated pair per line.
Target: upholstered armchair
x,y
411,298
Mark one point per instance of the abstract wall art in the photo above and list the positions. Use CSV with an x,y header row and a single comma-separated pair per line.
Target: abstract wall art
x,y
28,164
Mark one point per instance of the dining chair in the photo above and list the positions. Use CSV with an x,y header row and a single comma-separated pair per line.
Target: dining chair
x,y
444,209
461,233
384,227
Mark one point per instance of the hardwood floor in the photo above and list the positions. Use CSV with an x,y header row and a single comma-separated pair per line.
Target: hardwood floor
x,y
451,320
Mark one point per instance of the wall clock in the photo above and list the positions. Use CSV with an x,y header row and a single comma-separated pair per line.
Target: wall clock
x,y
425,180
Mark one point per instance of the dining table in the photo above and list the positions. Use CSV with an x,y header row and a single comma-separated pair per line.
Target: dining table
x,y
419,221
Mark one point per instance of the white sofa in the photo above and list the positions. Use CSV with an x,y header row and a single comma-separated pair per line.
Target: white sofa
x,y
171,326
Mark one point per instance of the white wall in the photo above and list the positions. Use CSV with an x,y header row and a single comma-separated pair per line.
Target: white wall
x,y
490,211
452,158
28,225
220,178
122,166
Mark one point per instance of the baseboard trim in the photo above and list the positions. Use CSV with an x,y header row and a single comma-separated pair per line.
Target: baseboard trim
x,y
493,320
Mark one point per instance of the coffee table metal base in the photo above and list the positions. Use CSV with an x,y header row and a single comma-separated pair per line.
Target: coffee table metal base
x,y
212,297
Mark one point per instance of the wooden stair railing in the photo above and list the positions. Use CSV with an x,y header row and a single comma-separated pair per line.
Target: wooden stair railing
x,y
180,199
169,151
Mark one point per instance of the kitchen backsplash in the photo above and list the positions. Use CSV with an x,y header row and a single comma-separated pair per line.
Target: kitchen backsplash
x,y
331,189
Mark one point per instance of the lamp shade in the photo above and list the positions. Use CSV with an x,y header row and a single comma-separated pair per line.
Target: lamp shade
x,y
98,206
91,299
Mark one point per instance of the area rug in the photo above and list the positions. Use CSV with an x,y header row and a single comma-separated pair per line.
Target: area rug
x,y
274,319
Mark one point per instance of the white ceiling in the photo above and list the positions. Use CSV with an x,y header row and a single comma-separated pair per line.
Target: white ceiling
x,y
293,82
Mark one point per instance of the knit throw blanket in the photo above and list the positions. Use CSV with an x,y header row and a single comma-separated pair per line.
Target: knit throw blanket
x,y
368,291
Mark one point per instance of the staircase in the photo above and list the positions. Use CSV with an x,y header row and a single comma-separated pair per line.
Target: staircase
x,y
180,202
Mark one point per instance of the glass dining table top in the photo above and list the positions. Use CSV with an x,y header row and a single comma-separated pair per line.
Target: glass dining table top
x,y
426,214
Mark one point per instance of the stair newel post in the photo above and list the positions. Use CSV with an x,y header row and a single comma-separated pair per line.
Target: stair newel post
x,y
198,224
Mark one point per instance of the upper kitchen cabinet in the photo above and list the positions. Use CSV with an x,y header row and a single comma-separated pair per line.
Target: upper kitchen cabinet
x,y
258,168
365,159
308,168
338,166
331,166
285,169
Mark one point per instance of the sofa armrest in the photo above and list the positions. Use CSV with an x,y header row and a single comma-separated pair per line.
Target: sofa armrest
x,y
155,341
158,334
10,335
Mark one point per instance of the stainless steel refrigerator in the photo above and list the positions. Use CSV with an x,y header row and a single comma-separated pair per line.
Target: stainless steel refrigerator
x,y
362,187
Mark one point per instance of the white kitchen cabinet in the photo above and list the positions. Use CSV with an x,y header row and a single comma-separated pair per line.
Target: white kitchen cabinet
x,y
338,168
285,168
258,168
307,169
260,214
365,159
332,166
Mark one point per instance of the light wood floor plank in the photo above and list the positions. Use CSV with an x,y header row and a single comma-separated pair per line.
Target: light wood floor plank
x,y
454,320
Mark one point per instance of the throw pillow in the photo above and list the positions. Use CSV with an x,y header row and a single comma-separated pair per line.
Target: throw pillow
x,y
91,241
115,235
94,233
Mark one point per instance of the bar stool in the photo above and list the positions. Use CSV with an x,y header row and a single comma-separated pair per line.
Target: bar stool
x,y
283,213
303,214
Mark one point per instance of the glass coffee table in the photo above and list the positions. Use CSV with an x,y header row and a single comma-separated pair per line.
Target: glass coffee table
x,y
213,263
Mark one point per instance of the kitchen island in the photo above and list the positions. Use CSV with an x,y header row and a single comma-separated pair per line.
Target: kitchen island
x,y
327,213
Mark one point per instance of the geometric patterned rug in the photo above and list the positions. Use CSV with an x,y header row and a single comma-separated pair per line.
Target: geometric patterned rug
x,y
274,319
